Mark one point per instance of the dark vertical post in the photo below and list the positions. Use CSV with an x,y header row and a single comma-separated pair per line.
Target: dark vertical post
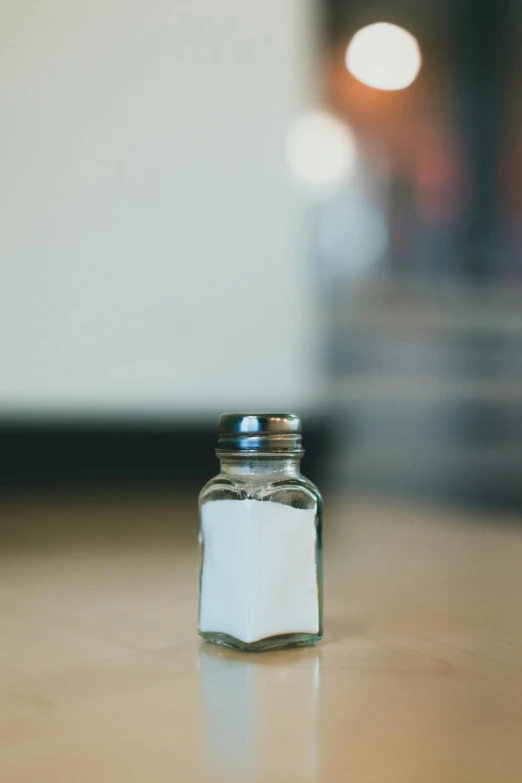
x,y
482,52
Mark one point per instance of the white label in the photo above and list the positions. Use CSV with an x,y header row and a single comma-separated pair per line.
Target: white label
x,y
259,570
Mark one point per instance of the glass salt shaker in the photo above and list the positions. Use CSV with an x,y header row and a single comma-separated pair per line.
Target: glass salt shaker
x,y
260,538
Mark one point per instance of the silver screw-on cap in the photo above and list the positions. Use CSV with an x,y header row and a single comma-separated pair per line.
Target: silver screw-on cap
x,y
259,432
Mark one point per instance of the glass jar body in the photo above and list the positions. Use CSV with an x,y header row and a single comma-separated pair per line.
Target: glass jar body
x,y
260,541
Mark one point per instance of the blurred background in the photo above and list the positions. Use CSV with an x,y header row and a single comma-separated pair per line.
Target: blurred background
x,y
297,205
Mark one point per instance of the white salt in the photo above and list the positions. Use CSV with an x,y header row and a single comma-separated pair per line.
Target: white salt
x,y
259,571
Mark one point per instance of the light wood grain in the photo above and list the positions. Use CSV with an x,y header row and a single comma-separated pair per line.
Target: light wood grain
x,y
102,676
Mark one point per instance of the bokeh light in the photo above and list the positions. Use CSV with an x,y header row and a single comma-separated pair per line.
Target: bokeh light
x,y
320,151
384,56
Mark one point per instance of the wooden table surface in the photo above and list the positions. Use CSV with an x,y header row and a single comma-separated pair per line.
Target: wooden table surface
x,y
103,678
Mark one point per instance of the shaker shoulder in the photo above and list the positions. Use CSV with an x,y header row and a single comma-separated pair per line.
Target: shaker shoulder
x,y
297,491
221,487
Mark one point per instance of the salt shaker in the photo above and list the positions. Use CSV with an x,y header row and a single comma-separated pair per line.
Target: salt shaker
x,y
260,538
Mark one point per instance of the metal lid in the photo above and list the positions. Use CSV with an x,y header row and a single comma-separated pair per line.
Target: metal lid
x,y
259,432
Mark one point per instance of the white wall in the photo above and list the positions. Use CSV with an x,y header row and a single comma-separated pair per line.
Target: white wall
x,y
150,251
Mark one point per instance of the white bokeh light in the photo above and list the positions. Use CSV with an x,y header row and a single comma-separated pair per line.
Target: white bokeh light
x,y
320,151
384,56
